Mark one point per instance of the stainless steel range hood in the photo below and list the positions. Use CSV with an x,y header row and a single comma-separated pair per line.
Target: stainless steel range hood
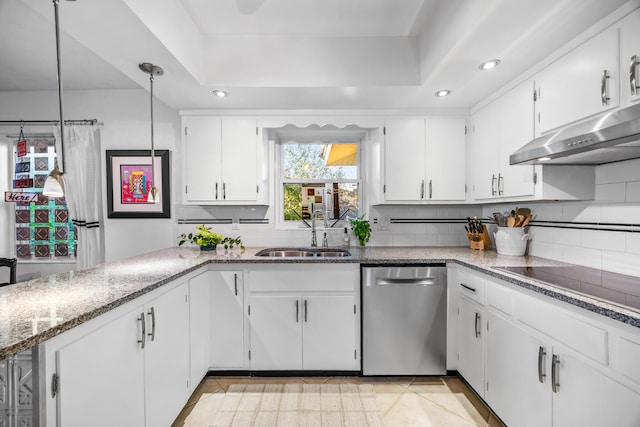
x,y
609,138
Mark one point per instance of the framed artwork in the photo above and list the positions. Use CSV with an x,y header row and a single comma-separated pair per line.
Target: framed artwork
x,y
129,181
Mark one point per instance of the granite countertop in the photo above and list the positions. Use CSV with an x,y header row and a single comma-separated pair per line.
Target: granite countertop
x,y
34,311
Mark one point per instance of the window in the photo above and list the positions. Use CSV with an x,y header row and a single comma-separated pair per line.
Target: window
x,y
321,177
43,228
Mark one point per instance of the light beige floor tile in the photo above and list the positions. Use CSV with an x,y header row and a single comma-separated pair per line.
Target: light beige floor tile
x,y
310,419
290,400
222,419
266,419
355,419
243,419
458,403
201,413
413,410
271,397
375,419
311,397
331,419
387,395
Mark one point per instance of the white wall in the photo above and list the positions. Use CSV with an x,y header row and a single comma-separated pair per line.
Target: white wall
x,y
126,118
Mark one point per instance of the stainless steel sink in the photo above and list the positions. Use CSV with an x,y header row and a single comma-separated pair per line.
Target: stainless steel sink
x,y
302,252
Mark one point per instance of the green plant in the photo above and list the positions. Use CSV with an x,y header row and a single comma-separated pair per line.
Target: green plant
x,y
230,242
202,237
362,229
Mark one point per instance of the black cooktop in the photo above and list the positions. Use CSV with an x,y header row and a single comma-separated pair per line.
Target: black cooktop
x,y
611,287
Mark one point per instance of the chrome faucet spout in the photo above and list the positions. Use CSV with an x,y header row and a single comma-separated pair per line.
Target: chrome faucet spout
x,y
314,240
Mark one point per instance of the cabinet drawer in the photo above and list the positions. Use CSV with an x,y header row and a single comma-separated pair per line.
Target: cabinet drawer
x,y
561,326
330,278
500,298
471,286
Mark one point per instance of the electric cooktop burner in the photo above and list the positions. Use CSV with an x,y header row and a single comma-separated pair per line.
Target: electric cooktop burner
x,y
614,288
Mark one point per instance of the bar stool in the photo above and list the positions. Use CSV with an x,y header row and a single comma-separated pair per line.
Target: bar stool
x,y
11,263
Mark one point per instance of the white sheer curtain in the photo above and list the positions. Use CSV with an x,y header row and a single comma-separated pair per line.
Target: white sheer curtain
x,y
83,182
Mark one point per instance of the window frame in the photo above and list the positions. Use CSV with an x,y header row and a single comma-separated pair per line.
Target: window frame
x,y
280,179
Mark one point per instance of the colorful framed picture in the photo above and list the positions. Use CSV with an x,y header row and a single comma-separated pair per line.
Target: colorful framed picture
x,y
129,181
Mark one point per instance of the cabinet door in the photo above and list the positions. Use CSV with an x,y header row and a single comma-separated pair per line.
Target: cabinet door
x,y
514,368
471,344
445,159
166,356
105,366
586,397
630,47
328,333
227,319
202,147
404,156
199,326
239,160
276,332
570,89
484,147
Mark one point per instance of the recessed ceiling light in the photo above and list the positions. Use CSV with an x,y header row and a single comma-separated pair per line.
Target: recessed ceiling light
x,y
488,65
442,92
219,93
544,159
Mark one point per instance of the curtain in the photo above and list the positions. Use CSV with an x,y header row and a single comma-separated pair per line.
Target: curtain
x,y
83,182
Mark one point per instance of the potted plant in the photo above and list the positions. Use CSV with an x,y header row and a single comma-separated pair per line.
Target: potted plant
x,y
362,229
207,240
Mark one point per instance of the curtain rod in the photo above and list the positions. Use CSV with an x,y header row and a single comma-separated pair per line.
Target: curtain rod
x,y
47,122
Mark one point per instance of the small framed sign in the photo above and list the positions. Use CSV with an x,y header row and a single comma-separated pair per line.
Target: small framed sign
x,y
15,197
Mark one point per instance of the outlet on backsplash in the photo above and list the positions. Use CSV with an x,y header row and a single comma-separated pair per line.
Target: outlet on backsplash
x,y
384,224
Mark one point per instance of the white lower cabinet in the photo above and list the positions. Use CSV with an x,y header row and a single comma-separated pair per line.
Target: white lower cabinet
x,y
471,343
305,318
127,368
226,335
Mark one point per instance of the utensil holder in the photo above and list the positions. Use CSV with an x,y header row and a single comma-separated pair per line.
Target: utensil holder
x,y
479,241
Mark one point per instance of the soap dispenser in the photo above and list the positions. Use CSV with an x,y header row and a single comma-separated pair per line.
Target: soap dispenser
x,y
345,238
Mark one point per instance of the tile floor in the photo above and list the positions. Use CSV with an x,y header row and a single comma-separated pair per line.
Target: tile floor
x,y
399,402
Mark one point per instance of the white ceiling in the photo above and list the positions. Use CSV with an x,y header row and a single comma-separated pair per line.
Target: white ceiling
x,y
290,54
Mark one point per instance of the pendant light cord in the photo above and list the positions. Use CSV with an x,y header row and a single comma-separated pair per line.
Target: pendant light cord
x,y
57,22
153,184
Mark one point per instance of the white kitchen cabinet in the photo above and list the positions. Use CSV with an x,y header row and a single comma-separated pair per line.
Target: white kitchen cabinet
x,y
470,336
582,83
199,327
221,160
424,159
304,317
517,376
129,367
497,131
630,59
226,336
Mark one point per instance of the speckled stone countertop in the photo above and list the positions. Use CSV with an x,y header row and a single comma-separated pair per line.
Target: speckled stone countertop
x,y
34,311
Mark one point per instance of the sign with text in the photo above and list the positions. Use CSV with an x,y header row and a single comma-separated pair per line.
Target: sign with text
x,y
12,196
22,148
23,183
23,167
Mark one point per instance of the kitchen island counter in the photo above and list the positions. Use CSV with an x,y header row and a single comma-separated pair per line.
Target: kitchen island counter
x,y
34,311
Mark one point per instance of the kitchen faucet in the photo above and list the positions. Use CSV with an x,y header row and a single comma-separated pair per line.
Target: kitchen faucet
x,y
314,240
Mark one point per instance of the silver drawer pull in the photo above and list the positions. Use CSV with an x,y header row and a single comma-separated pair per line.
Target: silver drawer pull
x,y
469,288
477,325
541,356
555,366
415,282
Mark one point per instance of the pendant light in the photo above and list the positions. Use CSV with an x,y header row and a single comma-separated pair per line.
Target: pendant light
x,y
54,184
152,70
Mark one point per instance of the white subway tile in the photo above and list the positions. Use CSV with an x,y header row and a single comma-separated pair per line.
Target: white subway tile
x,y
545,250
605,240
611,193
633,243
621,213
564,236
426,240
448,240
448,212
377,240
403,240
582,256
620,262
442,228
581,213
619,172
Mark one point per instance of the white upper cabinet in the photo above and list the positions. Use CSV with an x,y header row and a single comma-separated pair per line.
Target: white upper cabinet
x,y
630,59
580,84
424,159
497,131
221,160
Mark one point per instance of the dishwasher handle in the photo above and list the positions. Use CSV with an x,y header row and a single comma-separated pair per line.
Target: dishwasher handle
x,y
426,281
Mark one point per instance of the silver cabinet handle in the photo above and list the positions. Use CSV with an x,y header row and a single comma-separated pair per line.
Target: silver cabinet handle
x,y
500,184
297,311
633,68
541,356
306,310
603,88
216,190
430,189
143,338
469,288
422,190
224,190
493,184
477,325
152,313
235,282
555,366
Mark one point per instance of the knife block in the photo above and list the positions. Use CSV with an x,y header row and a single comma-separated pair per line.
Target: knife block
x,y
479,241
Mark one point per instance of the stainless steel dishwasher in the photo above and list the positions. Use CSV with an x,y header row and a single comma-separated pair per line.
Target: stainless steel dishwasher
x,y
404,320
